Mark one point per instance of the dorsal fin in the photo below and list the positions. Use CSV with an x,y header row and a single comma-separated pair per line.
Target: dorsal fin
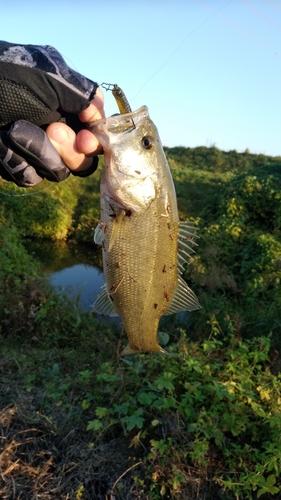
x,y
186,243
184,299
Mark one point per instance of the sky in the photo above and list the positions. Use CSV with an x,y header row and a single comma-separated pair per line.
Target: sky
x,y
208,70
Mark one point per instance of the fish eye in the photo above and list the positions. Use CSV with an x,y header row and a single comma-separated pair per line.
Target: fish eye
x,y
147,142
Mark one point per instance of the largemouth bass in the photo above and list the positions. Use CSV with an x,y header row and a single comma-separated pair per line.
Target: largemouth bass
x,y
144,244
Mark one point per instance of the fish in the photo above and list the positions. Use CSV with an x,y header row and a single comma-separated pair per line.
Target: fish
x,y
144,244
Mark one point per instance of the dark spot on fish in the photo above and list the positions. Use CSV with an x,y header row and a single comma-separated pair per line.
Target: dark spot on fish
x,y
172,266
138,172
111,298
166,296
112,215
168,209
112,288
169,225
118,265
103,247
155,306
164,270
128,213
171,236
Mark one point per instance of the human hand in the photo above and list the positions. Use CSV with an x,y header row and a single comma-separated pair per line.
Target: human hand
x,y
38,92
77,150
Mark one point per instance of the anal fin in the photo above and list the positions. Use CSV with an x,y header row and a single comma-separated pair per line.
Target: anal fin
x,y
104,304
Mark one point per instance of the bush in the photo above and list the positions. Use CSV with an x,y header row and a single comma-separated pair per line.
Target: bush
x,y
209,416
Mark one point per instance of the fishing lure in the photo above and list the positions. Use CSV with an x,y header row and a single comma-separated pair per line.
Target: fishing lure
x,y
120,98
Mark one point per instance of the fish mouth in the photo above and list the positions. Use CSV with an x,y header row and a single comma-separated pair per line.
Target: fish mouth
x,y
120,123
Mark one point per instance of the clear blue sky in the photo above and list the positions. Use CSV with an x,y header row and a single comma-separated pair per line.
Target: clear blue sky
x,y
208,70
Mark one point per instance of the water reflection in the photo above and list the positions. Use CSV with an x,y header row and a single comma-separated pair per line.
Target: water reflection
x,y
79,281
72,268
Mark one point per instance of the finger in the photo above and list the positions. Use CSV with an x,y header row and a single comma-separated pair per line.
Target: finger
x,y
87,143
95,111
63,139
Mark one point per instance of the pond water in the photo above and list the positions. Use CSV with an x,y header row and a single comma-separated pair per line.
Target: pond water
x,y
73,269
81,281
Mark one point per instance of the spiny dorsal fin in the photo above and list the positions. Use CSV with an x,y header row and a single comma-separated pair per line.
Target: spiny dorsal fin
x,y
104,304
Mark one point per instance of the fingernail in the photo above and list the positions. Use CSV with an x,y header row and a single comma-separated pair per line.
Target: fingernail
x,y
59,135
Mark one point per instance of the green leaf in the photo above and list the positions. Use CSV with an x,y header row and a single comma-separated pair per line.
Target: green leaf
x,y
101,412
94,425
163,338
165,381
271,480
268,486
155,422
272,490
135,420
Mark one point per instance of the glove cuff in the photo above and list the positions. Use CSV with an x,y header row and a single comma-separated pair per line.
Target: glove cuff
x,y
89,171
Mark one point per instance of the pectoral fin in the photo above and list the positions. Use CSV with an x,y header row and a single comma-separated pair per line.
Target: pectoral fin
x,y
99,234
115,228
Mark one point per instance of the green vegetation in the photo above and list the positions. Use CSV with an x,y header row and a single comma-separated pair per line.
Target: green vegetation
x,y
77,422
54,211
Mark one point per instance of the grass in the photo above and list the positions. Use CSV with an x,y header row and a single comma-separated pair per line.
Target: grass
x,y
45,451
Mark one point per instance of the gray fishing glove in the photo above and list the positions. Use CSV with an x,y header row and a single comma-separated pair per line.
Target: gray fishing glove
x,y
37,88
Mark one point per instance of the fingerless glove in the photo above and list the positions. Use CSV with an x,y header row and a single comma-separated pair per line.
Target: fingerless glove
x,y
37,88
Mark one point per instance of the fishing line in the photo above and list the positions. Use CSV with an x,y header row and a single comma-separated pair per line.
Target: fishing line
x,y
27,194
238,28
275,4
179,46
262,15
